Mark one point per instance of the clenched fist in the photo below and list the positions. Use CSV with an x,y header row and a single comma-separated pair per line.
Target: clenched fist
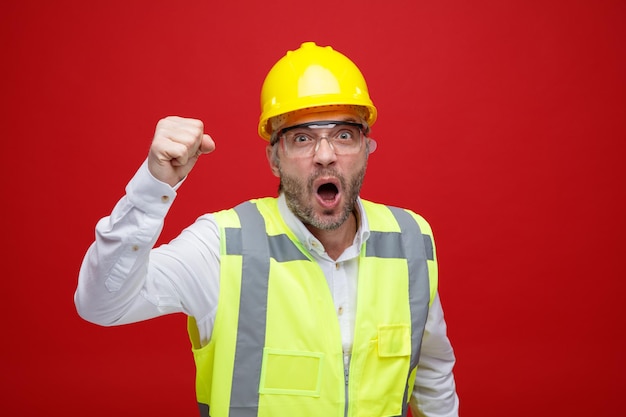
x,y
178,143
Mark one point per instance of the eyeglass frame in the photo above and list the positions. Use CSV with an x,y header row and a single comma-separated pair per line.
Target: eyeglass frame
x,y
363,130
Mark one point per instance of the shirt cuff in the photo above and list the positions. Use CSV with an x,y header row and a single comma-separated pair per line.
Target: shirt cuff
x,y
150,195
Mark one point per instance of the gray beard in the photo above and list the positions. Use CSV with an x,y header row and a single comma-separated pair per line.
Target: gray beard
x,y
296,193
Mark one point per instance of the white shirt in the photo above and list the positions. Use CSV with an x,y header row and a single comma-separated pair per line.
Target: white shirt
x,y
124,280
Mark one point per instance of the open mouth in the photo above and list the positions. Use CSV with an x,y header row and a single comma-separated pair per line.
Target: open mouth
x,y
328,192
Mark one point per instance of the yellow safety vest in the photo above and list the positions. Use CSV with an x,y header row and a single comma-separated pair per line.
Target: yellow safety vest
x,y
276,346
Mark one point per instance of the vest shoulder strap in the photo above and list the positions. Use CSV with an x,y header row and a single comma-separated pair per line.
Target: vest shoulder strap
x,y
379,218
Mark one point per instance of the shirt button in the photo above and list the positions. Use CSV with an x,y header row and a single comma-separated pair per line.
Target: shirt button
x,y
337,265
340,311
135,248
165,199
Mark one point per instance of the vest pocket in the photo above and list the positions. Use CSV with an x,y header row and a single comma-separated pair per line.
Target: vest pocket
x,y
394,340
384,371
291,372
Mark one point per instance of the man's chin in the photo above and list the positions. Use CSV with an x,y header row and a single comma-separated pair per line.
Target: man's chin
x,y
328,220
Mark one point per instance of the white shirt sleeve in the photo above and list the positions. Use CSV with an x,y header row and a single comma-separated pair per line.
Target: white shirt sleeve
x,y
122,280
434,393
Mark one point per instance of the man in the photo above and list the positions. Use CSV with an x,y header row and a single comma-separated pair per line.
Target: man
x,y
315,303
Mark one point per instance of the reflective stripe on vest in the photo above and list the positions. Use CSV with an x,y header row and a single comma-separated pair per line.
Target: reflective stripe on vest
x,y
419,300
256,247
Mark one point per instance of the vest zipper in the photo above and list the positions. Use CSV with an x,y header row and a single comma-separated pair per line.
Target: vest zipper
x,y
346,372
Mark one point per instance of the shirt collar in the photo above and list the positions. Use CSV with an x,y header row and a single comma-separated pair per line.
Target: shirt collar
x,y
306,237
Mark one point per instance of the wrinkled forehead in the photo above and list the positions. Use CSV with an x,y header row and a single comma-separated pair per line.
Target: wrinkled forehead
x,y
341,113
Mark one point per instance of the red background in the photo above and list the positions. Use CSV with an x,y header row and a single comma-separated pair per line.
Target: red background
x,y
502,122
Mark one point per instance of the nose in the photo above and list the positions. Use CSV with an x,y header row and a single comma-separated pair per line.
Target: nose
x,y
324,152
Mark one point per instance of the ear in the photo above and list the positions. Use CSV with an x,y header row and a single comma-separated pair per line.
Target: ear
x,y
373,145
272,159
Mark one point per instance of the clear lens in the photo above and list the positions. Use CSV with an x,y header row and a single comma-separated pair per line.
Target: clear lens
x,y
303,140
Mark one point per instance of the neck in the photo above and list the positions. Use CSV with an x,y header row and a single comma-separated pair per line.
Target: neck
x,y
337,240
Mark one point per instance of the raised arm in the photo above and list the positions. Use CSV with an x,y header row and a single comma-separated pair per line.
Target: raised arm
x,y
122,279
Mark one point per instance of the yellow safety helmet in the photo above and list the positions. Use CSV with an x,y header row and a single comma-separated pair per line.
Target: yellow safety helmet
x,y
312,76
